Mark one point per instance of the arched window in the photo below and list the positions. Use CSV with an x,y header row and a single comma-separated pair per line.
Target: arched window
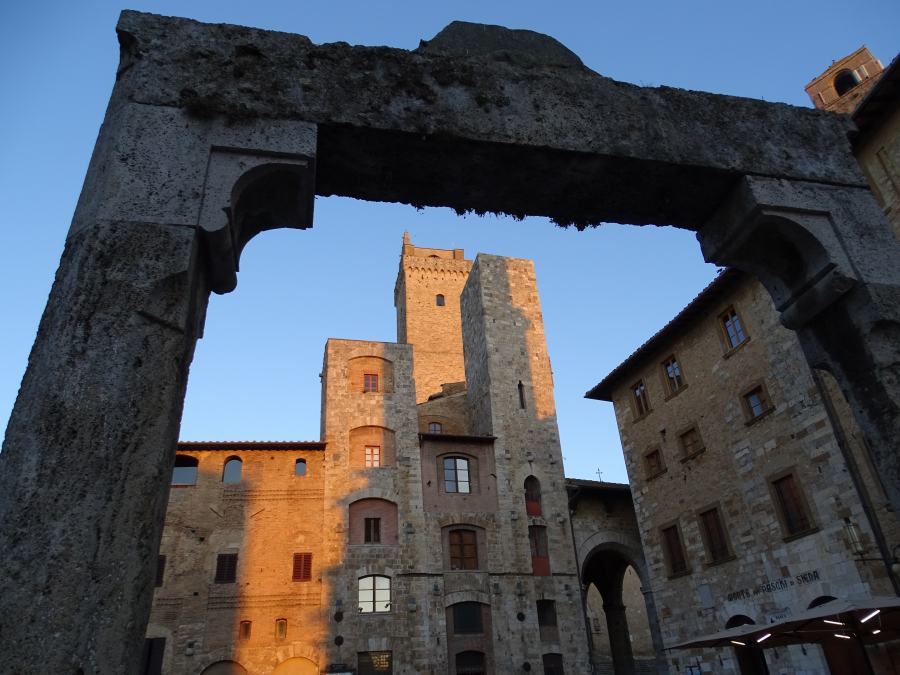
x,y
374,594
470,663
280,629
532,496
844,81
435,428
185,472
456,475
231,472
439,300
300,467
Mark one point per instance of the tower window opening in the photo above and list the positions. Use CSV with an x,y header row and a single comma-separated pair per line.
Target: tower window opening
x,y
439,300
521,388
300,467
845,81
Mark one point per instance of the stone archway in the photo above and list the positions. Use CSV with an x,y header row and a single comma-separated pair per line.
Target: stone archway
x,y
296,666
191,162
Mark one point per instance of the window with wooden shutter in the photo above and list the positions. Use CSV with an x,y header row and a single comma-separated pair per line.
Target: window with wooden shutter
x,y
540,557
714,536
463,550
640,399
673,550
372,534
226,568
370,382
467,618
546,611
532,496
792,505
302,567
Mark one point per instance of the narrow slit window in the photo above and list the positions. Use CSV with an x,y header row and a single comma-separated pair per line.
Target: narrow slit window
x,y
244,630
160,570
281,629
521,388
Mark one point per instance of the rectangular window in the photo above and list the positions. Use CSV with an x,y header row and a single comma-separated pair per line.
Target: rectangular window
x,y
302,570
456,475
540,557
674,378
714,536
372,534
370,382
546,611
467,618
226,568
374,663
463,550
756,403
281,629
732,328
640,398
674,552
690,442
244,630
653,463
791,505
160,570
373,455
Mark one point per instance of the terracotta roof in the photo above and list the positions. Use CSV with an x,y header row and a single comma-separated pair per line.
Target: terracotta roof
x,y
251,445
696,308
880,100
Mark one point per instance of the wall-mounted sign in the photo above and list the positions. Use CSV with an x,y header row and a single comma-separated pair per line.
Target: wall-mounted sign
x,y
775,586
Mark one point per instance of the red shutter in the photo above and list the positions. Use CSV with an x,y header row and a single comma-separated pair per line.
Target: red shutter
x,y
302,567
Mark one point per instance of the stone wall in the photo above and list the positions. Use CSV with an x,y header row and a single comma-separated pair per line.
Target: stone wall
x,y
768,572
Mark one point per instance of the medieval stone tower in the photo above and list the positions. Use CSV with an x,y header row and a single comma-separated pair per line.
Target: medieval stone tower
x,y
427,532
426,296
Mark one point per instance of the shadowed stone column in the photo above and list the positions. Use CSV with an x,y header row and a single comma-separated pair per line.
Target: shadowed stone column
x,y
619,638
89,448
832,265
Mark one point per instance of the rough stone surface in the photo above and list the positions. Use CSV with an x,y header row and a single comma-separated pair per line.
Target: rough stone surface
x,y
89,449
742,456
484,135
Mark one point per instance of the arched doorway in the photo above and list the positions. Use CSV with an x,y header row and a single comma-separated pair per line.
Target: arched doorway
x,y
225,668
615,598
750,658
296,666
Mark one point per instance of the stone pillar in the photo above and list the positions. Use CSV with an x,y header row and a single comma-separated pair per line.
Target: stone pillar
x,y
89,449
168,202
662,665
832,265
619,638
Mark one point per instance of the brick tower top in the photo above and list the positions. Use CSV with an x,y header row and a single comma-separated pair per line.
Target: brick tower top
x,y
845,83
426,296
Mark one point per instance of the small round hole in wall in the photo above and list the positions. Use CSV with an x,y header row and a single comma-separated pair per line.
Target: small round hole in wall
x,y
338,616
339,640
520,616
526,666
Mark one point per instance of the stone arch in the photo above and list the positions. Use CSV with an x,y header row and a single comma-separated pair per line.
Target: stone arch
x,y
372,435
360,366
750,658
456,597
370,493
224,668
604,567
296,665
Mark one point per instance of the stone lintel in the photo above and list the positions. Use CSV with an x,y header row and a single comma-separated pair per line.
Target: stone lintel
x,y
484,132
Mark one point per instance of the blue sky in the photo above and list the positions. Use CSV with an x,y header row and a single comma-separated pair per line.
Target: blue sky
x,y
255,373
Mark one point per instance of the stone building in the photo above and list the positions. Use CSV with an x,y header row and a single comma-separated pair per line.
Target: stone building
x,y
752,485
860,86
427,532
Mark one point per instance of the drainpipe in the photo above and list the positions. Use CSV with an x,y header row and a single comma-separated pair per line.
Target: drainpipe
x,y
856,478
581,590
